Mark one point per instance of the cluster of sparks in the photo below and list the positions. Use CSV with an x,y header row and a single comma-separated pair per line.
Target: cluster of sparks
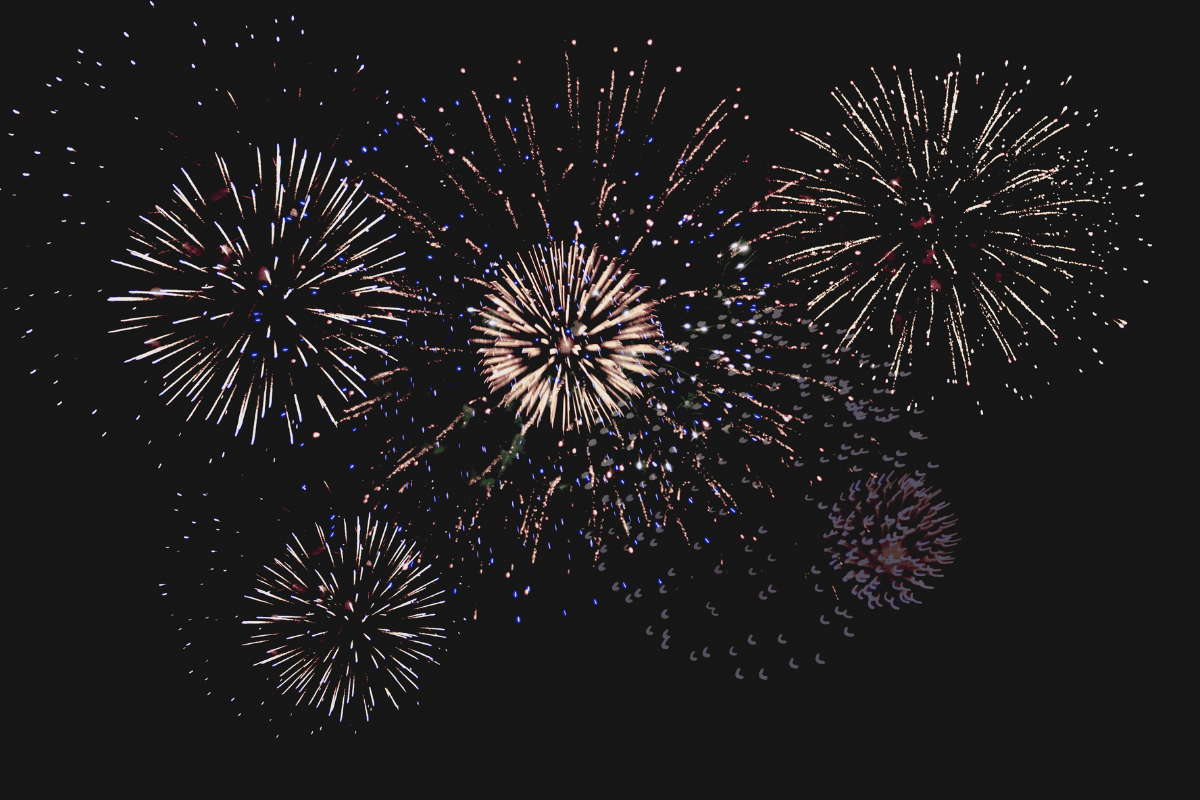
x,y
923,228
255,289
566,337
348,616
889,537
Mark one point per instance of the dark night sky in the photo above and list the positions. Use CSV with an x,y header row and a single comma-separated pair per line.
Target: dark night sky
x,y
1049,649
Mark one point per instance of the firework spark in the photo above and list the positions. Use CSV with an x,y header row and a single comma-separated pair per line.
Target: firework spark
x,y
922,227
565,336
889,538
257,292
347,617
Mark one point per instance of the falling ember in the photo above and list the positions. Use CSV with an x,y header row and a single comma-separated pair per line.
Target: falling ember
x,y
347,624
604,354
262,297
564,335
890,539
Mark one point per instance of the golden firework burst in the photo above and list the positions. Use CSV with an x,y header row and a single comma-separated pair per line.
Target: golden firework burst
x,y
566,337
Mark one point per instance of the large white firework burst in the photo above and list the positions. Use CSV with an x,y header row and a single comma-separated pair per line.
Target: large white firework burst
x,y
564,336
259,291
925,230
349,616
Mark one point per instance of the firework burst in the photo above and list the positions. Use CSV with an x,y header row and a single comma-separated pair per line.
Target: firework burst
x,y
349,615
264,292
922,229
888,538
564,337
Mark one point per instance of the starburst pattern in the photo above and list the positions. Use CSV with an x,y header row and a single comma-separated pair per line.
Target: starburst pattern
x,y
889,537
928,227
259,289
349,615
566,337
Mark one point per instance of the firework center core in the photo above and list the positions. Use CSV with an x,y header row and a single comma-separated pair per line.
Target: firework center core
x,y
566,345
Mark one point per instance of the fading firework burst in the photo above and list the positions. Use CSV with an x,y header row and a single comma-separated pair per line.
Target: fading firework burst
x,y
349,615
889,537
264,290
566,337
923,227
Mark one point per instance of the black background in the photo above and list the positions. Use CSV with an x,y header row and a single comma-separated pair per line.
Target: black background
x,y
1048,655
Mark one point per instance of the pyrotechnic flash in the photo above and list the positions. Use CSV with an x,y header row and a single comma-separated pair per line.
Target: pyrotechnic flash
x,y
889,538
256,292
922,227
563,337
349,616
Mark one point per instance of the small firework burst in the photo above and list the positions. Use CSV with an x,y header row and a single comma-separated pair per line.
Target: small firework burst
x,y
349,616
923,228
565,337
889,538
262,290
